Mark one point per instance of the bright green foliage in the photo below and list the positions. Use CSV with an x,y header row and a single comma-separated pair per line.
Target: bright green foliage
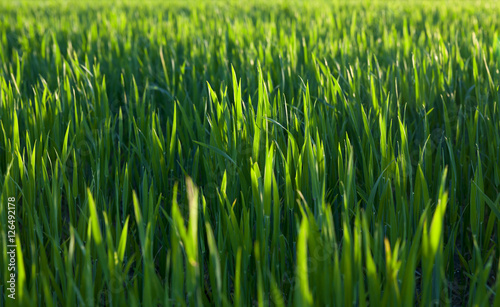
x,y
251,153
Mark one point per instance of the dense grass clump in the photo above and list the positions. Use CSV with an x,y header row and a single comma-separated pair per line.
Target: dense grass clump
x,y
251,153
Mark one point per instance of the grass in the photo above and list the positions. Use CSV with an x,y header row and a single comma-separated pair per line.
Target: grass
x,y
251,153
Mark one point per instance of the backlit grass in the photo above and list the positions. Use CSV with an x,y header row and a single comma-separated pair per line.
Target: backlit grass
x,y
251,153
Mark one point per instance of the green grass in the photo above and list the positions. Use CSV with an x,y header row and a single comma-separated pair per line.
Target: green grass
x,y
251,153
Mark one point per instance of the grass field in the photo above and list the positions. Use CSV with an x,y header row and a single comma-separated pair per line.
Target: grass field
x,y
249,154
